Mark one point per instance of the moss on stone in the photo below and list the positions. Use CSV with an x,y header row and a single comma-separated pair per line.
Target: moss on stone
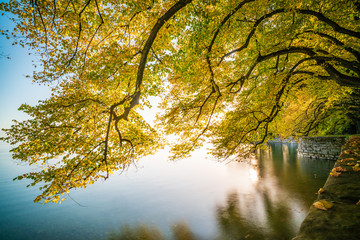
x,y
342,221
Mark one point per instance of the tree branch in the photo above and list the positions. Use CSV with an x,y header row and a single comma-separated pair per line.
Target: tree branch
x,y
135,98
247,41
331,23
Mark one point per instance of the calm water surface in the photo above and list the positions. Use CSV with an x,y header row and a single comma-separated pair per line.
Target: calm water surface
x,y
266,198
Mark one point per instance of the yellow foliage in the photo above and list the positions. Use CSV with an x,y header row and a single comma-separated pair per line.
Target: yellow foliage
x,y
232,73
356,168
334,173
321,190
323,205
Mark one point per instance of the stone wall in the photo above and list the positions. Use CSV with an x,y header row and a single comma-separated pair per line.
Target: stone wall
x,y
320,147
340,219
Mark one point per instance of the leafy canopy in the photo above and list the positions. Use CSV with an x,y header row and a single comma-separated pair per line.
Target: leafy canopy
x,y
231,72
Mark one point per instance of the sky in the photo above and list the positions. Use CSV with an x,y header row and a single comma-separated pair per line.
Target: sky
x,y
15,88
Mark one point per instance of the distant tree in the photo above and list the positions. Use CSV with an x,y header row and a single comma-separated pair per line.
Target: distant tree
x,y
231,72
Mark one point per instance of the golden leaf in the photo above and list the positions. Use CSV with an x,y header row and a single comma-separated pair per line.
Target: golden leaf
x,y
346,159
321,190
348,152
323,205
351,164
356,168
335,174
340,169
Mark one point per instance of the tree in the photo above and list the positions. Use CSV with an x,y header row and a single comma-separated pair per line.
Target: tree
x,y
233,72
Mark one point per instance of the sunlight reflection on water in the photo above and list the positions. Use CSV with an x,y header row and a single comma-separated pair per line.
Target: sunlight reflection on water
x,y
269,196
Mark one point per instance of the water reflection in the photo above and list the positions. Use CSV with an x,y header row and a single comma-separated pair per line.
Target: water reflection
x,y
299,177
180,231
232,222
282,187
142,232
266,198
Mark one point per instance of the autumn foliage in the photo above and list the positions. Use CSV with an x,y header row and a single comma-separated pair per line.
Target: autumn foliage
x,y
233,73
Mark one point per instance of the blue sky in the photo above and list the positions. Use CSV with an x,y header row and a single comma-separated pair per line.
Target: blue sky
x,y
15,88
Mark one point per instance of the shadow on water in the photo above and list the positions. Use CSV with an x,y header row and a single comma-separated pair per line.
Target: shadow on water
x,y
233,224
180,231
284,186
231,221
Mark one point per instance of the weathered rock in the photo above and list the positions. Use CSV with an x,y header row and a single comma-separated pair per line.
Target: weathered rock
x,y
342,221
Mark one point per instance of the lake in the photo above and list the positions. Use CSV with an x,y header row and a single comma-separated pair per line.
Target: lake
x,y
264,198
